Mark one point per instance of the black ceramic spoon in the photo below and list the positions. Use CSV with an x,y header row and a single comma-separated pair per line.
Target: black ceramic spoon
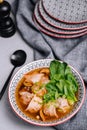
x,y
17,59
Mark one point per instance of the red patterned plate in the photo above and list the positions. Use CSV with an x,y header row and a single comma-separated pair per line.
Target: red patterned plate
x,y
47,26
69,11
58,24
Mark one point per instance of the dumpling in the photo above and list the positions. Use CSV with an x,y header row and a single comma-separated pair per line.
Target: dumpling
x,y
25,97
63,104
35,104
50,109
34,77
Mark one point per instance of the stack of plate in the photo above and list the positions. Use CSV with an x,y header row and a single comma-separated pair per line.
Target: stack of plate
x,y
61,18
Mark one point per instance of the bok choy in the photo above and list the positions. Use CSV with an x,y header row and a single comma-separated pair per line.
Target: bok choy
x,y
62,83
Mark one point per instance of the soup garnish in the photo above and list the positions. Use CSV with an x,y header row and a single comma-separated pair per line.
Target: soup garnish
x,y
47,93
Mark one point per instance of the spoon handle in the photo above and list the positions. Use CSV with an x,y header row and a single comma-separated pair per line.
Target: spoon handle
x,y
6,84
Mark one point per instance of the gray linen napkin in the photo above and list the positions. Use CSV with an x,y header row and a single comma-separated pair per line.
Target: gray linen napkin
x,y
73,51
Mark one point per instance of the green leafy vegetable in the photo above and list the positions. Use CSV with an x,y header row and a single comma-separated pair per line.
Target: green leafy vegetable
x,y
54,68
62,83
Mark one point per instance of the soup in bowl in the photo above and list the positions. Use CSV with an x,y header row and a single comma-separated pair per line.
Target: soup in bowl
x,y
46,92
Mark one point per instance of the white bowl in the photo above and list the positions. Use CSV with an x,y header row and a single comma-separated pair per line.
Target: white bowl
x,y
40,64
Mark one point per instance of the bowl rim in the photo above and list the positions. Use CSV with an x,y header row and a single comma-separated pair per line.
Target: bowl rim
x,y
54,123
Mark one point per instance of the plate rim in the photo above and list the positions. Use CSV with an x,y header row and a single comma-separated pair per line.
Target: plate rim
x,y
57,35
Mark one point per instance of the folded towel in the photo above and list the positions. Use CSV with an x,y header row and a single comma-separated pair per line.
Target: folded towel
x,y
72,51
